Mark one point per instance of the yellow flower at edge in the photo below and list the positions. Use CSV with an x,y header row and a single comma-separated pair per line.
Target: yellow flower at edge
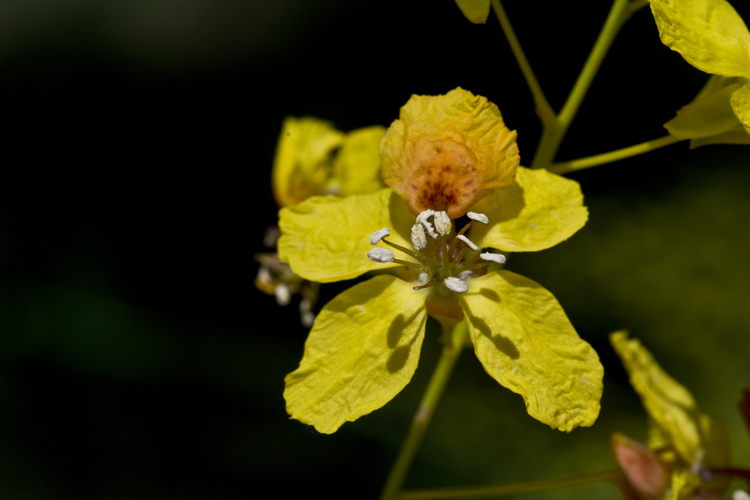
x,y
365,343
711,36
683,442
313,158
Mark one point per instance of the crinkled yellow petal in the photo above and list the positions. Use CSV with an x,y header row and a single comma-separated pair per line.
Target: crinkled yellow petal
x,y
447,152
356,168
709,114
539,211
303,159
362,350
740,101
524,341
326,238
669,405
709,34
475,11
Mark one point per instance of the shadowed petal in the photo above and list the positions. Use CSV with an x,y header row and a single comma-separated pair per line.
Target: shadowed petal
x,y
524,341
326,239
303,159
362,350
740,101
709,114
356,168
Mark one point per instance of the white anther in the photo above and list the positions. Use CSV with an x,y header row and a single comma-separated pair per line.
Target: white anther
x,y
468,242
456,285
418,237
740,495
493,257
442,223
264,275
381,255
378,235
478,217
422,217
283,296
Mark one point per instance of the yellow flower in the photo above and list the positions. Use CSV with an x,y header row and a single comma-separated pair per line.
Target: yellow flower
x,y
313,158
683,444
364,346
711,36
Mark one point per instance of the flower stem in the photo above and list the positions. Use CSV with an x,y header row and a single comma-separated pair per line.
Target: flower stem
x,y
494,490
553,135
543,109
427,405
619,154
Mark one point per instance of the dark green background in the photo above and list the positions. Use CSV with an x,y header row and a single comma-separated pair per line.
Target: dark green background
x,y
138,361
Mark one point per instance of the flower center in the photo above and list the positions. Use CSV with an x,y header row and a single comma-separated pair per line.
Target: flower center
x,y
441,255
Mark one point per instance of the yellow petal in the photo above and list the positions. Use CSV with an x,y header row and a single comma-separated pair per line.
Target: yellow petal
x,y
326,238
709,114
740,101
356,168
303,159
362,350
475,11
709,34
670,406
539,211
735,135
524,341
447,152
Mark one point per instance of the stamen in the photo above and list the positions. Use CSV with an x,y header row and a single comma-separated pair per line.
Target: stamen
x,y
493,257
381,255
422,219
379,235
282,294
442,223
478,217
456,285
468,242
418,237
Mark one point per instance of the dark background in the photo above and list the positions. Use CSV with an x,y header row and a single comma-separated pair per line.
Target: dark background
x,y
137,360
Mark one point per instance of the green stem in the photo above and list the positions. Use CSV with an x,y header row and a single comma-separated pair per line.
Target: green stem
x,y
619,154
424,413
543,109
494,490
552,136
